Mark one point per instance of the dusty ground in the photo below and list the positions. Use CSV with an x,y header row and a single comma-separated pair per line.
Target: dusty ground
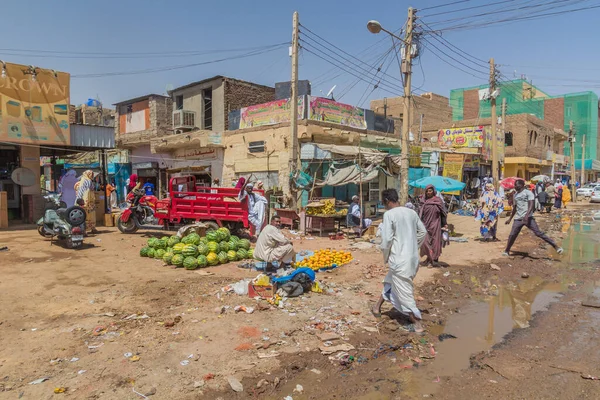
x,y
64,317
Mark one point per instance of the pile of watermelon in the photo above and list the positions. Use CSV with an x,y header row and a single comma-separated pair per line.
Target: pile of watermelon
x,y
193,251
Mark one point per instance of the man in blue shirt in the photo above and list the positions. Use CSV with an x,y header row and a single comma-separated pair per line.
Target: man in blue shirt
x,y
149,188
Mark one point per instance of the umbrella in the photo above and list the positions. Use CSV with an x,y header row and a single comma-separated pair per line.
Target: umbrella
x,y
540,178
440,183
509,183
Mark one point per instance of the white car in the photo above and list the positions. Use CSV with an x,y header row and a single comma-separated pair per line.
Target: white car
x,y
595,196
586,191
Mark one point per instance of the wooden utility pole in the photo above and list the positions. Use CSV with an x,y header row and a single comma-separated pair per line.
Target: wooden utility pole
x,y
294,164
503,125
572,153
582,181
494,122
404,140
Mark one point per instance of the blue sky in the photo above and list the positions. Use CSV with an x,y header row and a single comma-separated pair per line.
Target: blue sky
x,y
545,50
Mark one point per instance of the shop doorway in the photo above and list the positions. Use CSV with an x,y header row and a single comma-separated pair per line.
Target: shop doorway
x,y
9,161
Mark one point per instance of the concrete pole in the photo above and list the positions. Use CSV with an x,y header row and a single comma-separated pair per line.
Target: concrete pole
x,y
294,165
494,122
404,140
583,161
572,152
503,126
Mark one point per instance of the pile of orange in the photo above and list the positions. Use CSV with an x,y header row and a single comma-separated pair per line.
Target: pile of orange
x,y
326,258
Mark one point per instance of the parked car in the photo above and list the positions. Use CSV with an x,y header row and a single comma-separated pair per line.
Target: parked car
x,y
586,190
595,196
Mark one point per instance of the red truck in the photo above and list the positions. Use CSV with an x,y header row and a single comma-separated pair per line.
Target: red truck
x,y
187,203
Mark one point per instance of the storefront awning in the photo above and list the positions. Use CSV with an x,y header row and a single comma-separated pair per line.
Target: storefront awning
x,y
311,151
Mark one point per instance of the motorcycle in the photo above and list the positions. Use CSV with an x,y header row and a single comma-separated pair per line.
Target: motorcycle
x,y
66,224
140,213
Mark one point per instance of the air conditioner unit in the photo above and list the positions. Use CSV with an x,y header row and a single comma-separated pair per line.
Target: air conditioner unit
x,y
184,120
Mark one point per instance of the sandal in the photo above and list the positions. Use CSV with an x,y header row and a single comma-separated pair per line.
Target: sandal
x,y
376,315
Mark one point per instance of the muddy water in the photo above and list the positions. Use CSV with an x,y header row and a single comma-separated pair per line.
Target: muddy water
x,y
480,325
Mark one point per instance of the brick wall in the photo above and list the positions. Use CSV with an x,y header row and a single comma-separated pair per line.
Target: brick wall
x,y
554,112
239,94
161,123
471,104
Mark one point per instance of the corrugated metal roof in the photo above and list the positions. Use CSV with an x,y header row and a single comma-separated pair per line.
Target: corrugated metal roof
x,y
100,137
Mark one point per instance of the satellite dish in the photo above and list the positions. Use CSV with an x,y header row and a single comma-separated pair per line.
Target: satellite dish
x,y
330,93
168,88
23,177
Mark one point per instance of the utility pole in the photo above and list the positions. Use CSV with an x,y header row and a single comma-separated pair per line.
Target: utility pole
x,y
404,140
503,124
572,152
582,181
494,122
294,165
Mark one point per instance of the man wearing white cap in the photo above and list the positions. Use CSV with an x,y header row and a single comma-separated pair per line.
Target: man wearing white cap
x,y
256,207
354,217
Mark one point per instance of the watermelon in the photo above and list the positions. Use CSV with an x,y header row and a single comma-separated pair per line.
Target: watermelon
x,y
212,258
224,246
225,232
202,249
202,261
159,253
194,239
232,255
242,254
178,248
167,258
144,251
223,258
190,250
177,260
212,236
233,245
152,242
161,244
151,253
190,263
244,244
251,253
203,240
213,246
172,241
185,239
234,238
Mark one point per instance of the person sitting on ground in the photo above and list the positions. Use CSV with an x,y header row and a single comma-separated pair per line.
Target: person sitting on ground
x,y
272,245
402,234
354,217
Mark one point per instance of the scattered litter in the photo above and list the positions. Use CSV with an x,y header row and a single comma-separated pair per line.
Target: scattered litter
x,y
495,267
316,371
134,358
437,380
95,346
290,397
590,377
82,371
74,359
138,393
38,381
371,329
447,273
235,384
247,310
55,361
128,355
493,381
445,336
184,363
298,389
60,390
136,316
326,350
524,275
4,248
268,355
109,314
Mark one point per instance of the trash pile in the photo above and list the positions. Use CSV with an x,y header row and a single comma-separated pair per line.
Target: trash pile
x,y
193,251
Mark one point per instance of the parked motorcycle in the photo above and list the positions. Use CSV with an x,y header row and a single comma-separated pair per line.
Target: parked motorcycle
x,y
140,213
66,224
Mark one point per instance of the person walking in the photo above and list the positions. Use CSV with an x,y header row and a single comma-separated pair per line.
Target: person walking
x,y
432,212
566,196
256,207
558,196
550,194
84,189
402,234
522,213
491,206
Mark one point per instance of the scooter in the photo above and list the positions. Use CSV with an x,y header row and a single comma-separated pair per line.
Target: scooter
x,y
66,224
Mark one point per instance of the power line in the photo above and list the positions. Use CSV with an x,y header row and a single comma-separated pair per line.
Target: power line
x,y
456,60
443,5
465,9
447,43
175,67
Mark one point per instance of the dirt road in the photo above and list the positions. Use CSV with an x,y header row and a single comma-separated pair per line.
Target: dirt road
x,y
103,323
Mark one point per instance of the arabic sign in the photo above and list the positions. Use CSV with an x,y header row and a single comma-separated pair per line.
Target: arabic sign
x,y
34,105
486,151
461,137
270,113
453,168
196,154
331,111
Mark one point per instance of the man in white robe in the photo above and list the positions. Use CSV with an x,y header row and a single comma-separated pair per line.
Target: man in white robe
x,y
256,207
272,245
402,234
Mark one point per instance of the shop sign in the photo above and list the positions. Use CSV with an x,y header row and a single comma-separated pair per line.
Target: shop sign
x,y
144,165
331,111
271,113
461,137
196,154
414,156
34,105
471,162
453,168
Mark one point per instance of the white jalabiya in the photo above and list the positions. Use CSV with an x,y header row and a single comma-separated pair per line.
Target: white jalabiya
x,y
402,234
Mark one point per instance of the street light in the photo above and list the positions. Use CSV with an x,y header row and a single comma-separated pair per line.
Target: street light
x,y
375,27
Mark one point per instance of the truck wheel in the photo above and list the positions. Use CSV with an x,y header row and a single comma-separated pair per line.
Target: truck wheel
x,y
127,227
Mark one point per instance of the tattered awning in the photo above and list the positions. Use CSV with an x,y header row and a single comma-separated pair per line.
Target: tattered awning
x,y
368,155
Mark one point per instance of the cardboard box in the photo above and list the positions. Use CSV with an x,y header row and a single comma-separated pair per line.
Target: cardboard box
x,y
264,292
109,220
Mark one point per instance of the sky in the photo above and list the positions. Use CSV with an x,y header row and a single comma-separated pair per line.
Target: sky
x,y
61,36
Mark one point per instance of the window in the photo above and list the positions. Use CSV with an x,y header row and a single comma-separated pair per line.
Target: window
x,y
207,99
374,190
508,138
568,111
179,102
256,147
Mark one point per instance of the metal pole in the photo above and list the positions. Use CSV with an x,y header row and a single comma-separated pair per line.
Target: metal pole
x,y
503,132
582,161
494,122
572,148
294,165
104,178
407,71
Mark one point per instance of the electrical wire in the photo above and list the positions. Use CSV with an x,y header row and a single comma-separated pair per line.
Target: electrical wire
x,y
457,50
176,67
465,9
443,5
456,60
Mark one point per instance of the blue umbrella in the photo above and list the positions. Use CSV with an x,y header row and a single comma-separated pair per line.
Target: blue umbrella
x,y
440,183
